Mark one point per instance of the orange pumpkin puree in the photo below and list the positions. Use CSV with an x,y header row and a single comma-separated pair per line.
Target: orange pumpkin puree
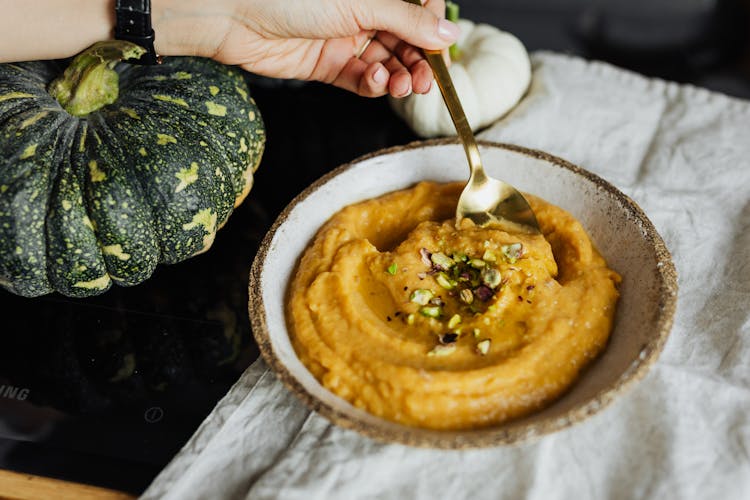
x,y
395,310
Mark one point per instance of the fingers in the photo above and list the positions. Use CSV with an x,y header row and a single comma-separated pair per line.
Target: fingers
x,y
391,63
402,62
376,79
400,84
411,58
417,25
367,80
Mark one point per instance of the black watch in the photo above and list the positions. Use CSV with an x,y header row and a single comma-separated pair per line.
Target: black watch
x,y
133,23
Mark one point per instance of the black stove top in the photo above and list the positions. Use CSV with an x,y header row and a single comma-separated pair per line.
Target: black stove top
x,y
106,390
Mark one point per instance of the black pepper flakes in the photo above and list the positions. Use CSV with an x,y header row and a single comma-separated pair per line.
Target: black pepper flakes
x,y
448,338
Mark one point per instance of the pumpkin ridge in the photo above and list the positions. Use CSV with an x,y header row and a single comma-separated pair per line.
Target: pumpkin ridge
x,y
197,113
14,107
214,141
158,175
117,208
23,243
65,225
141,183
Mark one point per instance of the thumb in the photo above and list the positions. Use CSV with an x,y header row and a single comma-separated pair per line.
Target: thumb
x,y
414,24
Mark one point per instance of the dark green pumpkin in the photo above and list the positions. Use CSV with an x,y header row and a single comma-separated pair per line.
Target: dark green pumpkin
x,y
108,169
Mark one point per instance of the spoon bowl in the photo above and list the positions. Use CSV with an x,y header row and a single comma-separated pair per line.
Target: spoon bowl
x,y
484,200
487,201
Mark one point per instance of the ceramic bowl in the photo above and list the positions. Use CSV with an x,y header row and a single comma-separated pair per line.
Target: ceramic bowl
x,y
618,227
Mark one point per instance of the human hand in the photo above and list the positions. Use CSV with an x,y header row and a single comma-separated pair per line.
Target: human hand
x,y
312,39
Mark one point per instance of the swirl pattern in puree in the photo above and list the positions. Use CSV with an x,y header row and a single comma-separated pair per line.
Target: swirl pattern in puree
x,y
402,314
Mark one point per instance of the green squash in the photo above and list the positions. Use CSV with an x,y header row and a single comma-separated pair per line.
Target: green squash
x,y
109,169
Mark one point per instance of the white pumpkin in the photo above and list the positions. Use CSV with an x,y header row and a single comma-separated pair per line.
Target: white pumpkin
x,y
491,75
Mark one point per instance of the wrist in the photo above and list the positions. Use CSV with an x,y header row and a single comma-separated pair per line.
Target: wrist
x,y
190,27
32,30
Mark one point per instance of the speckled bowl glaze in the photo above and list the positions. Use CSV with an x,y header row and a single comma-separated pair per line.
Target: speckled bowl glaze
x,y
618,227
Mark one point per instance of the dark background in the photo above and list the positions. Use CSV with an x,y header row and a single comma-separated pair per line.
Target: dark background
x,y
703,42
700,42
85,421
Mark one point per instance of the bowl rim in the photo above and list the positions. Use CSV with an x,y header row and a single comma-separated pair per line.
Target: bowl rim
x,y
505,434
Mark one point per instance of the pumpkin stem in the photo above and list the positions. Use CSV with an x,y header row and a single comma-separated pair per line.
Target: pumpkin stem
x,y
451,14
90,82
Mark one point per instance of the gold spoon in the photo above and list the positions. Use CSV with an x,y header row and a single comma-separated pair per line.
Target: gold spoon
x,y
484,200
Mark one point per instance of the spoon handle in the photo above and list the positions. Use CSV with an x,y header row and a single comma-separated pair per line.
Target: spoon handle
x,y
463,129
456,111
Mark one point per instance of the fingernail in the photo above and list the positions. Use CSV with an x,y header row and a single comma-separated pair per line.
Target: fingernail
x,y
380,76
448,30
406,93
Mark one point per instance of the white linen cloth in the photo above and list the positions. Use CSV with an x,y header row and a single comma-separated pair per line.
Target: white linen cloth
x,y
683,154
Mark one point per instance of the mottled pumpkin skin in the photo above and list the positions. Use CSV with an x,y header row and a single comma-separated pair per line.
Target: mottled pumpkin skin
x,y
88,201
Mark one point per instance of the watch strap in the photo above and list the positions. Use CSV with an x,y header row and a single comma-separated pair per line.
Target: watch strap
x,y
133,24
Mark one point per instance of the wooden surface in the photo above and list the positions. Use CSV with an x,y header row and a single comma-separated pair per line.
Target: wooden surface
x,y
15,486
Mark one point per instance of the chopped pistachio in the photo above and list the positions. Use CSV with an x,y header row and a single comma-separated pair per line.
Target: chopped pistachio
x,y
477,263
491,277
392,268
466,296
410,319
489,256
483,347
454,321
512,252
421,296
475,281
444,281
459,257
431,311
425,254
442,350
442,261
477,333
